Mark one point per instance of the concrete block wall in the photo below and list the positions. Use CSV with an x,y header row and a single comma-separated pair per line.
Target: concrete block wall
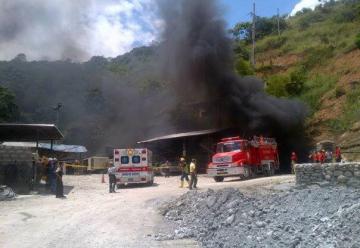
x,y
22,158
329,173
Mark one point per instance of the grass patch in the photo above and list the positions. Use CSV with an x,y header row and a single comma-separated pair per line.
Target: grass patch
x,y
315,88
351,113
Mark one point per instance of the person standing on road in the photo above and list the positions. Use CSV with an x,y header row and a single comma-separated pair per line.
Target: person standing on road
x,y
337,155
112,179
52,174
193,174
293,162
184,172
59,182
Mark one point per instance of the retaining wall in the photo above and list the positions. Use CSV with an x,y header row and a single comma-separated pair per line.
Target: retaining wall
x,y
328,173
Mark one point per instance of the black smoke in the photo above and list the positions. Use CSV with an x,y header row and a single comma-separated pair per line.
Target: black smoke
x,y
198,58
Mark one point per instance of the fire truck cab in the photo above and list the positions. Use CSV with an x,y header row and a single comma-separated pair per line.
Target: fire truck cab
x,y
133,166
244,158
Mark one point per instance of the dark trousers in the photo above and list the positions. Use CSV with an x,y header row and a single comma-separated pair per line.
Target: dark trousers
x,y
112,183
193,180
185,176
52,180
59,188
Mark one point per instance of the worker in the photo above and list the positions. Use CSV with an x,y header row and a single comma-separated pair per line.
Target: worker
x,y
112,179
328,156
322,156
59,182
318,157
312,157
293,162
337,155
193,174
184,172
52,174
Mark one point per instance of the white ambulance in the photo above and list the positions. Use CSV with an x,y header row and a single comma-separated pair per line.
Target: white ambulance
x,y
133,166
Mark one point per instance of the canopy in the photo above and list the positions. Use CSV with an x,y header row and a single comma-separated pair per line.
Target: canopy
x,y
56,147
29,132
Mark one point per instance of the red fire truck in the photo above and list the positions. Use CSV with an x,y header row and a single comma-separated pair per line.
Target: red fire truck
x,y
244,158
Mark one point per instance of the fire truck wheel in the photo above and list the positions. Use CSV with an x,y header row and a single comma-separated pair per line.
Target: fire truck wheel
x,y
218,179
247,172
270,171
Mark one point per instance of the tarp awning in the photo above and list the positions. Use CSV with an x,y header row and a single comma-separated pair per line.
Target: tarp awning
x,y
181,135
56,147
29,132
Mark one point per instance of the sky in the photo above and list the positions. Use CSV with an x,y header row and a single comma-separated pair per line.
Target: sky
x,y
77,30
239,10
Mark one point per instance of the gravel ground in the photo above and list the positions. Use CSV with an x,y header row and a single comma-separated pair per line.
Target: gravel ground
x,y
91,217
310,217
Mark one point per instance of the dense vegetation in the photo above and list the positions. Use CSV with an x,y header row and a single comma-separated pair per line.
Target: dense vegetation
x,y
301,61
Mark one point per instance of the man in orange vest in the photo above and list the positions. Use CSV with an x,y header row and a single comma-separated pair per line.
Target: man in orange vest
x,y
338,154
322,156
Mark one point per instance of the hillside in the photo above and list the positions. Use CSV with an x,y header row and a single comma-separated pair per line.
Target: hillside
x,y
96,96
317,59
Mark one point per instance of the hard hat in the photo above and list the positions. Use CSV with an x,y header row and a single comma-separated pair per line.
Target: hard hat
x,y
182,159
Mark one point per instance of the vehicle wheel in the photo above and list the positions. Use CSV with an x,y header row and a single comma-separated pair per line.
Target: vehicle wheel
x,y
218,179
272,170
151,182
247,172
119,186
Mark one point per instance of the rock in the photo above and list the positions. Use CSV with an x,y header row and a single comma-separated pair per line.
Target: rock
x,y
211,201
260,224
348,174
342,179
338,173
230,220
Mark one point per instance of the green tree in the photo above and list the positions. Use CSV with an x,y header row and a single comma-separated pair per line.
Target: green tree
x,y
276,85
296,84
243,67
8,108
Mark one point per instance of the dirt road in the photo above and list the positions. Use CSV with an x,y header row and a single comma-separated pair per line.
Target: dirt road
x,y
91,217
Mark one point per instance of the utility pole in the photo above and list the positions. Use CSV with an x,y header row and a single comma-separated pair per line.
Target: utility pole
x,y
278,21
57,109
253,36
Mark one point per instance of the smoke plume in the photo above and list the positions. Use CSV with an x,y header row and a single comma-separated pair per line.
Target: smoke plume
x,y
76,30
198,57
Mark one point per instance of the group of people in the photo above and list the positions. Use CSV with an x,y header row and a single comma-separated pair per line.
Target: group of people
x,y
320,156
323,156
53,174
186,170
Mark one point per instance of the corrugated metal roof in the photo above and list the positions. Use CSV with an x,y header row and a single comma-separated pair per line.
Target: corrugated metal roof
x,y
181,135
29,132
56,147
